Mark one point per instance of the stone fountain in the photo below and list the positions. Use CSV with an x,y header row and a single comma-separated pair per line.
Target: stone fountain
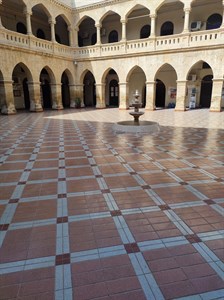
x,y
136,126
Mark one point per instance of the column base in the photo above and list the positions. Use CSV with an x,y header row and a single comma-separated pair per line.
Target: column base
x,y
10,110
215,109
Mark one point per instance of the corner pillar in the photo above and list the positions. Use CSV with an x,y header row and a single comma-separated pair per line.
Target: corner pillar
x,y
35,97
100,95
52,24
123,95
150,95
153,25
181,95
76,91
56,96
8,105
216,95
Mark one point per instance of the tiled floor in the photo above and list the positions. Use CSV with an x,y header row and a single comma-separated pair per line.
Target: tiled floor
x,y
89,214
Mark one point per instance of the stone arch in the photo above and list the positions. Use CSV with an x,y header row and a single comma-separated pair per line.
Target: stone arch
x,y
111,27
111,80
61,30
137,17
136,79
199,83
47,78
89,88
166,76
40,21
86,30
66,81
109,12
21,76
17,7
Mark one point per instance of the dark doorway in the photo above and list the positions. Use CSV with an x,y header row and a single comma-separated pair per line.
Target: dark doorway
x,y
21,28
114,93
160,94
214,21
40,34
26,94
206,91
89,90
166,28
113,37
145,32
46,92
65,92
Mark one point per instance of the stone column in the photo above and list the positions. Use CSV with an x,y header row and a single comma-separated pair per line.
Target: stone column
x,y
124,22
222,14
52,23
56,96
71,36
153,25
216,94
76,91
123,95
150,95
181,95
75,37
187,11
35,97
8,105
28,21
100,95
98,37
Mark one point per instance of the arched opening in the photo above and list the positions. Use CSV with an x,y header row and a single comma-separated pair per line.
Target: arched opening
x,y
21,28
89,90
41,34
145,31
61,31
214,21
45,89
65,91
206,91
26,94
40,22
111,28
138,23
20,77
86,30
136,81
12,14
166,87
113,37
167,28
160,94
199,90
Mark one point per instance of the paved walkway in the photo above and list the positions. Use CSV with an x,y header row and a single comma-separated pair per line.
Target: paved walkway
x,y
88,214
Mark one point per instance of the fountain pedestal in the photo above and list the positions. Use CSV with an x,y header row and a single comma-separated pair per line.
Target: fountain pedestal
x,y
136,126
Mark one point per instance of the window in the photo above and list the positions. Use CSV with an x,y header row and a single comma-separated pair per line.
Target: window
x,y
113,37
40,34
166,28
145,32
214,21
21,28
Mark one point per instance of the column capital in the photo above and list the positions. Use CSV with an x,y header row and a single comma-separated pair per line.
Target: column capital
x,y
150,82
124,21
51,21
218,80
153,15
70,28
187,9
27,11
98,25
184,81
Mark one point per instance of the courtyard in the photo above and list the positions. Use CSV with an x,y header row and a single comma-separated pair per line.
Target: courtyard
x,y
86,213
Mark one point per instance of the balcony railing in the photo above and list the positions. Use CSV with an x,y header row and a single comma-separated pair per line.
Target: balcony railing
x,y
162,43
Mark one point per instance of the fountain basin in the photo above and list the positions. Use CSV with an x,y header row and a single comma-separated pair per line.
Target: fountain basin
x,y
136,127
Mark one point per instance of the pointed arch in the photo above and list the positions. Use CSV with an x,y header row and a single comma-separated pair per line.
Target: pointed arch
x,y
108,13
136,7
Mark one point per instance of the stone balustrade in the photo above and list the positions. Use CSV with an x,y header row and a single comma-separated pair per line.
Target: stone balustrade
x,y
161,43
